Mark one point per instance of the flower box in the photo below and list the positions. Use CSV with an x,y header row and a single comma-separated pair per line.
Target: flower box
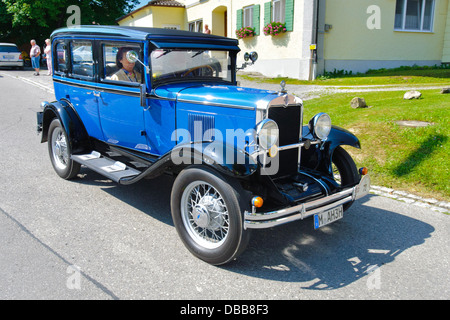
x,y
245,32
274,28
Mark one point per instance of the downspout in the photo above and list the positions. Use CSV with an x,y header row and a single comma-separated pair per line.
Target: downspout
x,y
314,40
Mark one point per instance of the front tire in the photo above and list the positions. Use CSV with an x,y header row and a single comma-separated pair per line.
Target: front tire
x,y
207,211
345,171
60,151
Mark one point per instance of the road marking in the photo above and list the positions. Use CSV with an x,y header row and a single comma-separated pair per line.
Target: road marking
x,y
33,83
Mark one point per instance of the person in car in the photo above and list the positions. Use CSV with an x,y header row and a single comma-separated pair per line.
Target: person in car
x,y
126,68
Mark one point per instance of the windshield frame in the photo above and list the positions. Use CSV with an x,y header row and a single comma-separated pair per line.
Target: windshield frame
x,y
231,66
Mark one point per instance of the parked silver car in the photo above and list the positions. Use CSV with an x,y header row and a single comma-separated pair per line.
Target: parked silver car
x,y
10,55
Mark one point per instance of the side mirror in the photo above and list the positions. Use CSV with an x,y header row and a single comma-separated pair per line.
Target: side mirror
x,y
132,56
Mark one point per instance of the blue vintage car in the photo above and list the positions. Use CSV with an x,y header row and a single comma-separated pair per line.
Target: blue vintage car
x,y
134,103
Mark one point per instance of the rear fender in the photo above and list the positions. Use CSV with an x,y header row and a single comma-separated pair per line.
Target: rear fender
x,y
75,130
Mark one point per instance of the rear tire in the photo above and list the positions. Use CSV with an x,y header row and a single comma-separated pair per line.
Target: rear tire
x,y
208,215
60,151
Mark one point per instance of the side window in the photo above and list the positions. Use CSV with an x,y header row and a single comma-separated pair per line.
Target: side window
x,y
116,67
82,59
60,57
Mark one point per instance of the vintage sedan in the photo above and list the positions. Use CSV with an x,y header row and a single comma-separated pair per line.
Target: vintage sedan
x,y
134,103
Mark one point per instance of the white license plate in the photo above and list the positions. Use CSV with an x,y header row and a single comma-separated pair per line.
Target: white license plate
x,y
323,218
8,57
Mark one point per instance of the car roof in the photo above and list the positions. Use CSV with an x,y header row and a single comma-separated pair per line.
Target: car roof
x,y
161,38
7,44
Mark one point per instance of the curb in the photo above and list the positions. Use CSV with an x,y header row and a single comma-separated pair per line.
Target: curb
x,y
429,203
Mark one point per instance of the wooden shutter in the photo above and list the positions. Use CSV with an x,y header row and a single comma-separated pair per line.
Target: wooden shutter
x,y
239,16
256,18
267,13
289,15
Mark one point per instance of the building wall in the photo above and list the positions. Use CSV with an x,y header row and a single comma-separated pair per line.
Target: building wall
x,y
285,55
351,45
141,18
344,40
164,17
446,49
156,17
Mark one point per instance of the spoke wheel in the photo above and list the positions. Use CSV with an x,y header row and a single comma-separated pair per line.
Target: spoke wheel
x,y
60,151
207,211
205,214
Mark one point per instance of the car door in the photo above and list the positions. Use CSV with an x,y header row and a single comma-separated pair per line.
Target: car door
x,y
118,94
74,79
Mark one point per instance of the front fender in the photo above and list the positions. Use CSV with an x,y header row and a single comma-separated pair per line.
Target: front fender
x,y
223,157
339,136
75,130
319,158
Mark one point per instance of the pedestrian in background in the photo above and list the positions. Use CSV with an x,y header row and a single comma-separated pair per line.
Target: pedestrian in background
x,y
48,56
35,54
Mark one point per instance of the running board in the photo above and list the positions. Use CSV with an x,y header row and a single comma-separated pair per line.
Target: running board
x,y
114,170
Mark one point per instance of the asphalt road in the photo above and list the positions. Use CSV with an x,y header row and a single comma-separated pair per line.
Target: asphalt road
x,y
92,239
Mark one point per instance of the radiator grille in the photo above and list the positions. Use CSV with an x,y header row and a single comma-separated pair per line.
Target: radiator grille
x,y
289,123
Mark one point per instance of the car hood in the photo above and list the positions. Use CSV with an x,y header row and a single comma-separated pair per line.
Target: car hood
x,y
220,94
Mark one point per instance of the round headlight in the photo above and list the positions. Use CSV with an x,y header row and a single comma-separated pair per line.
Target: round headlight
x,y
267,133
320,125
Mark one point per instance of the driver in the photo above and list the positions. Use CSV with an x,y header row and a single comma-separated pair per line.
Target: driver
x,y
126,68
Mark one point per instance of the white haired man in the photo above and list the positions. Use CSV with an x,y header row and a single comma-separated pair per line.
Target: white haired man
x,y
35,54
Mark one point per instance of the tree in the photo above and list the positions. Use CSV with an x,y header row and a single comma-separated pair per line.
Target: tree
x,y
22,20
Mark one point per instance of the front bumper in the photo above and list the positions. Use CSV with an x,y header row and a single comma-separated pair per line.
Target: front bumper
x,y
258,220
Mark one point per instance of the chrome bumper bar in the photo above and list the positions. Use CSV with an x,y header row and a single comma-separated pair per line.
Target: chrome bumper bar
x,y
254,220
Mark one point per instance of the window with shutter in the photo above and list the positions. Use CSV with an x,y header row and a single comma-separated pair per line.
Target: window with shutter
x,y
289,15
239,21
249,17
280,11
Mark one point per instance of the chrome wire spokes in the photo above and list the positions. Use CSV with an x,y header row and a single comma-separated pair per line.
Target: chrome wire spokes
x,y
205,214
59,148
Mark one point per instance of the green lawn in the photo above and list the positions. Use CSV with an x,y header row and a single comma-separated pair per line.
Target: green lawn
x,y
400,76
411,159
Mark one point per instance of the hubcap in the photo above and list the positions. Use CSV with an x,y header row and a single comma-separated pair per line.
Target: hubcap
x,y
204,214
59,148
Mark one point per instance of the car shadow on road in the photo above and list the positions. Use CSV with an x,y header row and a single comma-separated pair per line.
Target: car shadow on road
x,y
152,197
335,255
328,258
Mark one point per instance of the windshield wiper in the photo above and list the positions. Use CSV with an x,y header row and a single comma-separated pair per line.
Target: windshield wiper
x,y
164,53
200,52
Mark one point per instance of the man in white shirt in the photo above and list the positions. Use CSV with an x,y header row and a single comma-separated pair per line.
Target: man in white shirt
x,y
35,54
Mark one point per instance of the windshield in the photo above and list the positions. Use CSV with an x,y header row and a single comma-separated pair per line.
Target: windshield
x,y
169,65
